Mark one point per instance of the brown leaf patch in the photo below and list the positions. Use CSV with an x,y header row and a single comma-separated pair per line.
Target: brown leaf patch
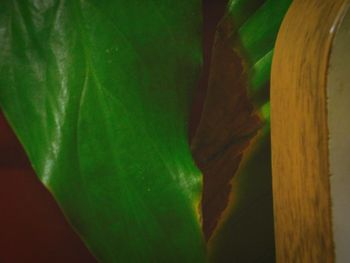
x,y
228,124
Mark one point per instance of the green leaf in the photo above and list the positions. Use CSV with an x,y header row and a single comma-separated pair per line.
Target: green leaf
x,y
98,93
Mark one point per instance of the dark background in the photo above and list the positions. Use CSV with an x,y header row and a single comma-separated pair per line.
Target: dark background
x,y
32,227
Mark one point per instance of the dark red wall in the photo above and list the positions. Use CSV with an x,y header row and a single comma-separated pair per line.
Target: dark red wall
x,y
32,227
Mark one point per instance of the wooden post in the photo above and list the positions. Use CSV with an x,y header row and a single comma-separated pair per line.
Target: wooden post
x,y
301,188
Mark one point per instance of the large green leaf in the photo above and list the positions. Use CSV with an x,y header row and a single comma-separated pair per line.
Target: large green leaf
x,y
98,93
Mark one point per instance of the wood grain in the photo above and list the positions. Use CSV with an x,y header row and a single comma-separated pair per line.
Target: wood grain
x,y
300,134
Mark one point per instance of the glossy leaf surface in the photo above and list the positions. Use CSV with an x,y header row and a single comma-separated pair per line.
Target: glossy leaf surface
x,y
98,93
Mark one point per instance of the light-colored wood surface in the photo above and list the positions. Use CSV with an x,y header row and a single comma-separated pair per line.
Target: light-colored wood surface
x,y
302,206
